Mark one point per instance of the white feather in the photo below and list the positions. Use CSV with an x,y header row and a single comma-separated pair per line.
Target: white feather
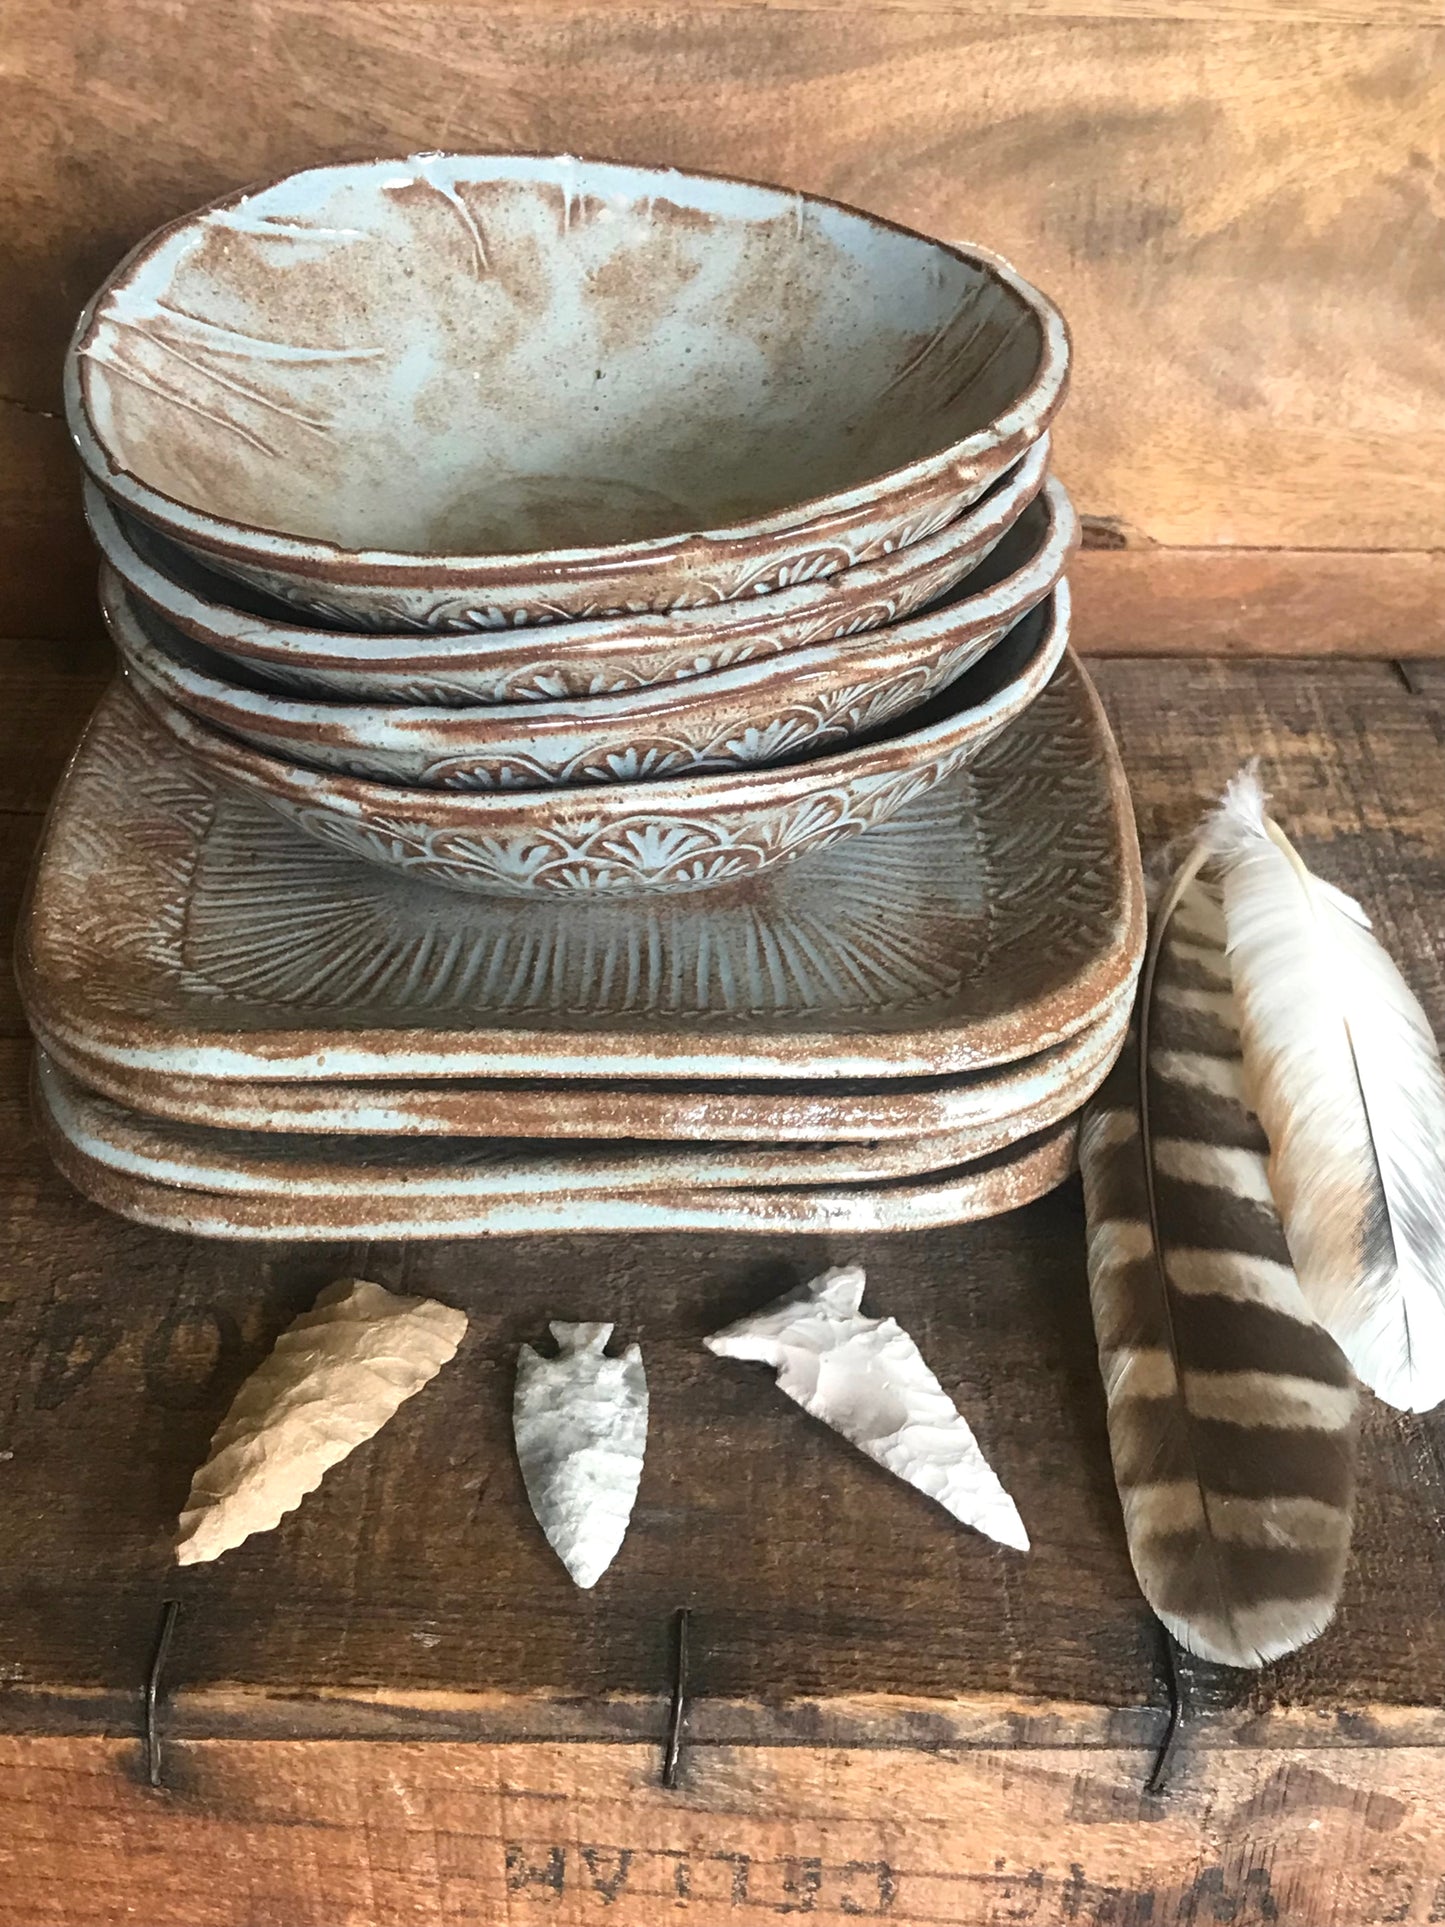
x,y
1345,1077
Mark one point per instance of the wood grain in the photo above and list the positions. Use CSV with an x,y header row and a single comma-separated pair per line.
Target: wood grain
x,y
1377,13
1258,602
403,1577
356,1835
395,1711
46,692
1241,215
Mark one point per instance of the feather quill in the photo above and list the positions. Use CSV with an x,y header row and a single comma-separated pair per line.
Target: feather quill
x,y
1231,1413
1345,1075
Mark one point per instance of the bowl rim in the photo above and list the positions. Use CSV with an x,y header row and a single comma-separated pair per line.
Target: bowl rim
x,y
393,728
406,652
758,787
1023,420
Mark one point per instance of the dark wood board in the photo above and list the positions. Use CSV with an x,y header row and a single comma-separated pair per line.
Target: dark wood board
x,y
887,1717
818,1585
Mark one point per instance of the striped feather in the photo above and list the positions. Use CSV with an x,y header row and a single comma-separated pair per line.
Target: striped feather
x,y
1231,1413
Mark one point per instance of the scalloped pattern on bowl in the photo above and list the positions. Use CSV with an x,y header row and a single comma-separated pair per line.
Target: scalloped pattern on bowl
x,y
574,659
177,933
629,839
775,711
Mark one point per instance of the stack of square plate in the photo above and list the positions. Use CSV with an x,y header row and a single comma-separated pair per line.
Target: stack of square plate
x,y
247,1034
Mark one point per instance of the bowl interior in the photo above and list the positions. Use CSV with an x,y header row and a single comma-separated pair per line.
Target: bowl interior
x,y
496,355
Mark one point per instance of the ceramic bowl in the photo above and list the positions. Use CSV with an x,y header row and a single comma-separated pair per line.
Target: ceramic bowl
x,y
629,839
587,658
773,711
466,391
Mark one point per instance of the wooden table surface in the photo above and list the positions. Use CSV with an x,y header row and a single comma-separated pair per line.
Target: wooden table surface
x,y
396,1708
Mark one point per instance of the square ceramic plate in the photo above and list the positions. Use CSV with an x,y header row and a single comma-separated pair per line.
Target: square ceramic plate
x,y
804,1112
176,928
479,1193
263,1163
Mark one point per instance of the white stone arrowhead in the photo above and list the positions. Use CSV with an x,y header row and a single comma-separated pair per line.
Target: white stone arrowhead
x,y
580,1423
867,1379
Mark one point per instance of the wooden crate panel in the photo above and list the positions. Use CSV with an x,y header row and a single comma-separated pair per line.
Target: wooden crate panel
x,y
1241,215
356,1835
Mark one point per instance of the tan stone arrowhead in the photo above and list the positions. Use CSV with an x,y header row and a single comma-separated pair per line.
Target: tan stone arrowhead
x,y
330,1382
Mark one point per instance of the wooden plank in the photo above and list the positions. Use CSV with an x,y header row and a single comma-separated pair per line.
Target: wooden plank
x,y
395,1709
47,562
19,835
419,1569
1154,601
1237,215
47,690
411,1596
357,1835
1365,13
1425,679
892,1723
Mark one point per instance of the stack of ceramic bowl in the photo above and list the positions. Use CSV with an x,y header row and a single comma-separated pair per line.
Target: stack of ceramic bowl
x,y
758,554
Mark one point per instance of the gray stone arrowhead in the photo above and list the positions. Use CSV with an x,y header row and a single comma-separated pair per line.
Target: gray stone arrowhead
x,y
580,1425
867,1379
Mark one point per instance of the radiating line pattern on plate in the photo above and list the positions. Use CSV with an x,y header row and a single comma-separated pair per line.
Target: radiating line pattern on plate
x,y
1000,883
